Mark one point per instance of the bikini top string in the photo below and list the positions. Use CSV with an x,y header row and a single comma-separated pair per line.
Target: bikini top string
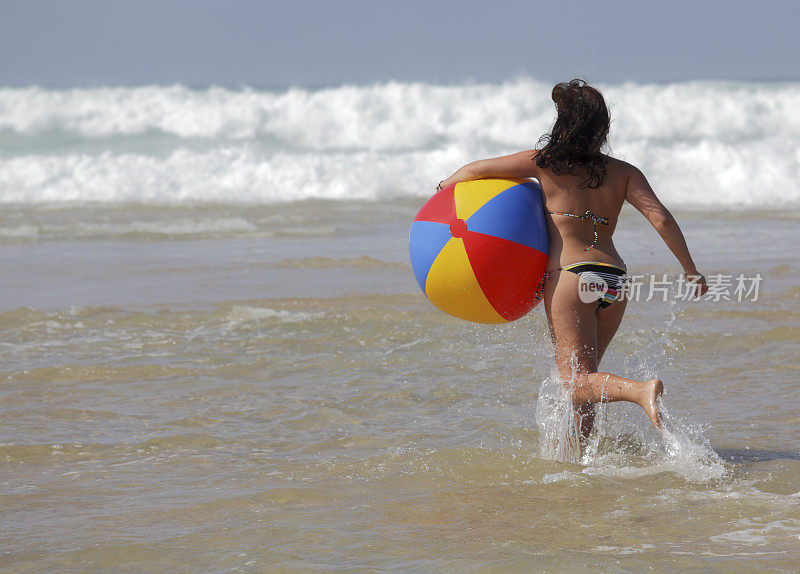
x,y
590,216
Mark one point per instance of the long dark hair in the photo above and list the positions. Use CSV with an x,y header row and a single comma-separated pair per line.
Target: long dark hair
x,y
581,128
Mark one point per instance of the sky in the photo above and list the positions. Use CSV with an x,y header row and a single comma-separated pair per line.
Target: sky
x,y
57,43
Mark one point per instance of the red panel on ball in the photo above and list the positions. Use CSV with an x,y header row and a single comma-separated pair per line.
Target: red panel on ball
x,y
509,273
441,208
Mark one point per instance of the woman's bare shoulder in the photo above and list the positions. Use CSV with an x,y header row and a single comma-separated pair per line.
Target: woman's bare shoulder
x,y
621,167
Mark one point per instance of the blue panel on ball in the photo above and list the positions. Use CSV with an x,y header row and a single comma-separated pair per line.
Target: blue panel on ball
x,y
425,240
516,214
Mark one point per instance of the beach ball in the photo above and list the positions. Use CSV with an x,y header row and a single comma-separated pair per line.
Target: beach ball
x,y
479,249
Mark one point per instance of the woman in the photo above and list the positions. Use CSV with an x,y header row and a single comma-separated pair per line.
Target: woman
x,y
584,190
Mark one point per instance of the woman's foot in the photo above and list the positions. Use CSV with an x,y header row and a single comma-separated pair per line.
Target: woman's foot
x,y
651,390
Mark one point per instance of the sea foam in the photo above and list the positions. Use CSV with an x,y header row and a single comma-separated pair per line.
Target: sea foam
x,y
709,144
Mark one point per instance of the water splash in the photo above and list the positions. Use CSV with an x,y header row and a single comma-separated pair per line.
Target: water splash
x,y
622,442
686,451
559,438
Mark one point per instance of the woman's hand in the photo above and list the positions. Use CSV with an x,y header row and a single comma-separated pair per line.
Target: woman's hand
x,y
699,280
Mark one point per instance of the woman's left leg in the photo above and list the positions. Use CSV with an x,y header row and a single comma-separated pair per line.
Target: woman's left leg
x,y
573,330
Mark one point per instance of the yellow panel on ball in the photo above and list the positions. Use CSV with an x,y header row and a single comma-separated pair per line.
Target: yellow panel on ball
x,y
451,285
470,196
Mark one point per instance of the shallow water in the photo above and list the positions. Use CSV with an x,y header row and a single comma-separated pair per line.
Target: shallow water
x,y
240,388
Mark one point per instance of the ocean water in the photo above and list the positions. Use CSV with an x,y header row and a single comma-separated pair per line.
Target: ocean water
x,y
214,356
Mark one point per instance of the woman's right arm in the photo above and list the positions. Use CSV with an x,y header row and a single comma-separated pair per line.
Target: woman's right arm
x,y
642,197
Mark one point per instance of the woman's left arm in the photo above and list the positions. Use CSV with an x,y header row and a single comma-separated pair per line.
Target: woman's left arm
x,y
517,165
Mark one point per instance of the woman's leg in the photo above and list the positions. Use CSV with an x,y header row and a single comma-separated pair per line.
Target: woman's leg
x,y
573,330
608,321
591,388
579,333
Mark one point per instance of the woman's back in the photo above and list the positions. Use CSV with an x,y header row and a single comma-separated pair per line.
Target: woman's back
x,y
577,213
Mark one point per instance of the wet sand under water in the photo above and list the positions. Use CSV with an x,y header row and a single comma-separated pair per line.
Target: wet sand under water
x,y
227,388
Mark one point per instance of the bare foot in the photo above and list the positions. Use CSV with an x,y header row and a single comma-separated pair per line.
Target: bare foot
x,y
651,391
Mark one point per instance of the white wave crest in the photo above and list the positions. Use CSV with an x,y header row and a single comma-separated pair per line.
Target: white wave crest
x,y
385,117
227,175
700,143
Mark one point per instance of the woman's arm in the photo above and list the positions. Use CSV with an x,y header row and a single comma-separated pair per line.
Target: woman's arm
x,y
642,197
518,165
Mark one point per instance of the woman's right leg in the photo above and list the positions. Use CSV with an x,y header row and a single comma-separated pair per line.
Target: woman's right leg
x,y
608,321
591,388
